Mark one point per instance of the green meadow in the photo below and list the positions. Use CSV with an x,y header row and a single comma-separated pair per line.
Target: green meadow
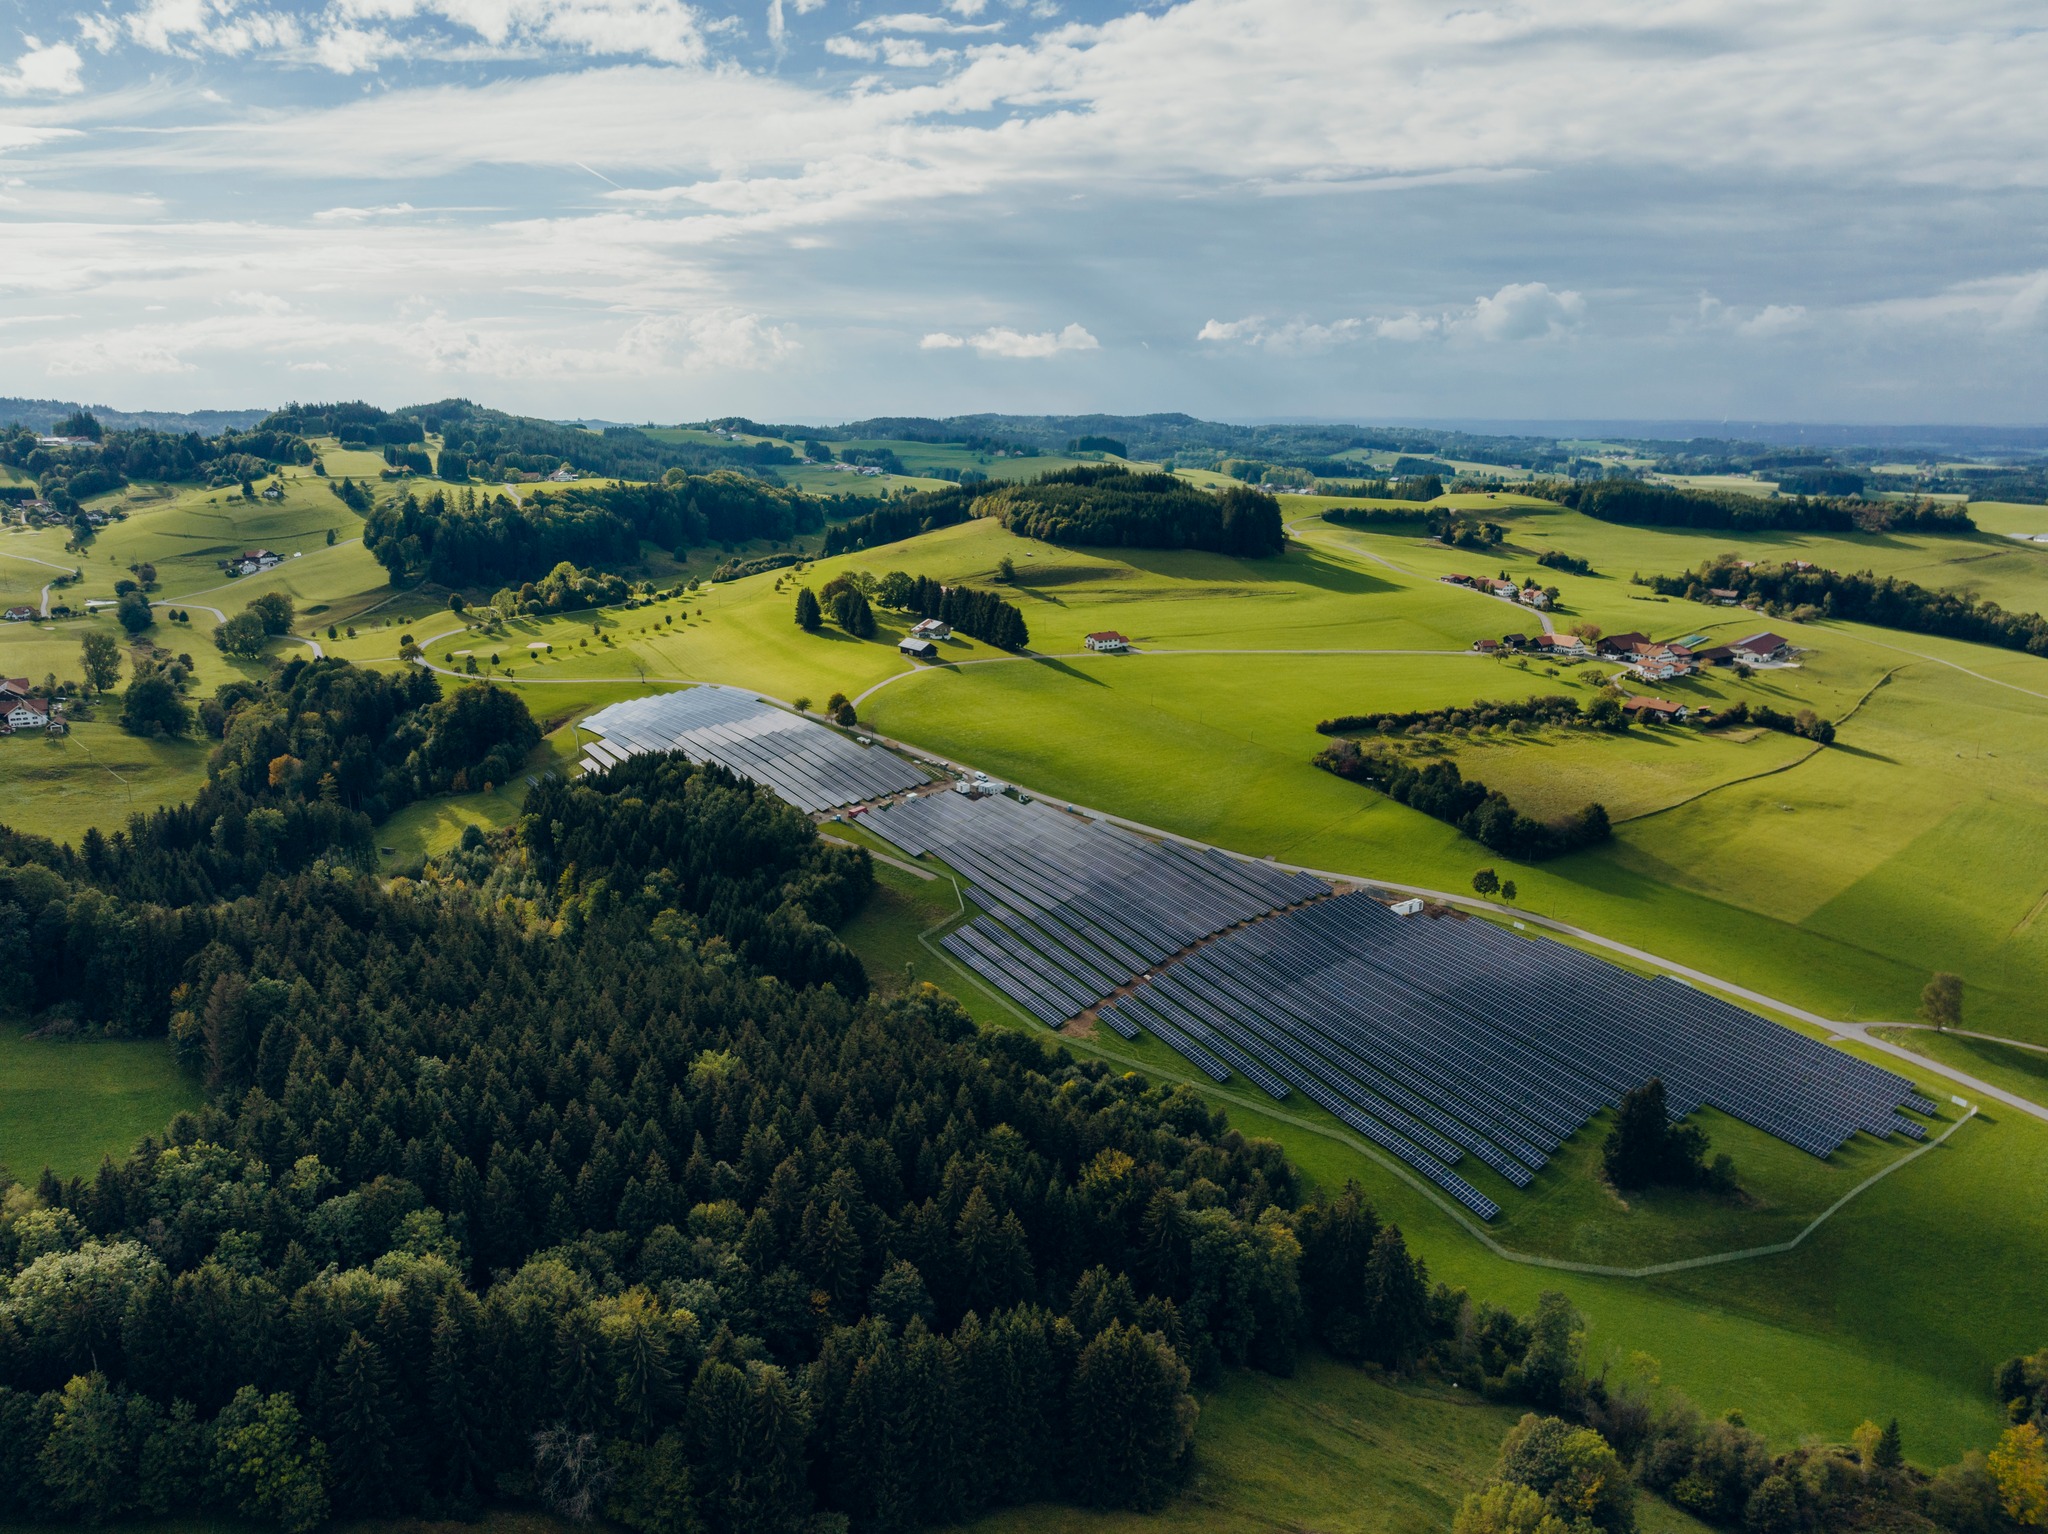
x,y
1836,879
66,1103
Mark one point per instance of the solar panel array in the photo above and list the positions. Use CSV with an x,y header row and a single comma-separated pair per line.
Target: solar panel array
x,y
810,766
1438,1039
1076,908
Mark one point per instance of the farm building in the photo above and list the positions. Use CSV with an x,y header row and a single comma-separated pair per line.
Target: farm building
x,y
932,628
1622,646
1561,644
1765,646
1655,710
28,714
12,687
20,614
1107,640
1533,596
1724,596
919,649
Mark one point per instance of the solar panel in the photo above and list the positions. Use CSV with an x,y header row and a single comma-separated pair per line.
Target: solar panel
x,y
804,763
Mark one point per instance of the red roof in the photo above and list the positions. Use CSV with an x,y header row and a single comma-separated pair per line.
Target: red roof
x,y
1111,635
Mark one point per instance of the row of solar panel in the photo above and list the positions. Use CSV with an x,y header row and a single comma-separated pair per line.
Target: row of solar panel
x,y
1441,1038
1092,906
808,765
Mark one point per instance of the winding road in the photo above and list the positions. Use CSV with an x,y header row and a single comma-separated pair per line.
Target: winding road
x,y
47,565
312,644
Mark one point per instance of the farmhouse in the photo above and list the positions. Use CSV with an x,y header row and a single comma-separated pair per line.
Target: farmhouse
x,y
1486,646
932,628
1655,710
562,476
919,649
1533,596
28,714
12,687
1660,663
1109,640
20,614
1724,596
1561,644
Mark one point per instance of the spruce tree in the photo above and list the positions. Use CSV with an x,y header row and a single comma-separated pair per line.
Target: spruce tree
x,y
808,616
358,1419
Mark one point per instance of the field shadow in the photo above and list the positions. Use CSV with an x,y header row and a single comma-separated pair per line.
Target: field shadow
x,y
1295,567
1053,663
1873,756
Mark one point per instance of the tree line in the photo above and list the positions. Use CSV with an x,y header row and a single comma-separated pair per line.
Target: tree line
x,y
1549,709
1863,597
462,538
1438,789
1647,505
906,517
1110,505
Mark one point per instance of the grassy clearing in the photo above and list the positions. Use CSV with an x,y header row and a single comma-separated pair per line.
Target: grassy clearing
x,y
1333,1449
65,1104
95,776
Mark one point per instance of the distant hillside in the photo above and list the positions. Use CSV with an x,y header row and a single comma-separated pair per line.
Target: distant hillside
x,y
42,414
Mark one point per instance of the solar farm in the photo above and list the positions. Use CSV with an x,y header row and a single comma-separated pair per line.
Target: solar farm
x,y
1434,1038
811,767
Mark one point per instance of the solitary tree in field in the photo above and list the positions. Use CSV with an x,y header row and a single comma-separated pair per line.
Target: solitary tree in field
x,y
809,616
101,658
1486,882
1941,1002
1507,890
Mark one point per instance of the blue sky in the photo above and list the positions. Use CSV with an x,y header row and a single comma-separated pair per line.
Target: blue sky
x,y
815,209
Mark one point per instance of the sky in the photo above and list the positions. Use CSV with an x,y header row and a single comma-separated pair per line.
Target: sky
x,y
815,210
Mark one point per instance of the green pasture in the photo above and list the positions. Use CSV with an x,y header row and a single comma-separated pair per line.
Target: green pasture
x,y
1333,1449
66,1103
59,786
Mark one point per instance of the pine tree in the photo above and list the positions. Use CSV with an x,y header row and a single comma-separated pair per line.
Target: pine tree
x,y
1395,1312
1132,1420
809,618
358,1416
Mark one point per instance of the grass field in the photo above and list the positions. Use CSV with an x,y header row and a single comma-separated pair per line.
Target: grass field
x,y
66,1103
1837,879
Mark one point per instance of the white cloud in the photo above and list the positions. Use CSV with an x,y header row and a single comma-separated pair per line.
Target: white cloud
x,y
356,215
43,71
115,356
921,21
310,367
940,341
1774,320
1522,311
1285,336
716,339
1001,341
967,8
2014,303
898,52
